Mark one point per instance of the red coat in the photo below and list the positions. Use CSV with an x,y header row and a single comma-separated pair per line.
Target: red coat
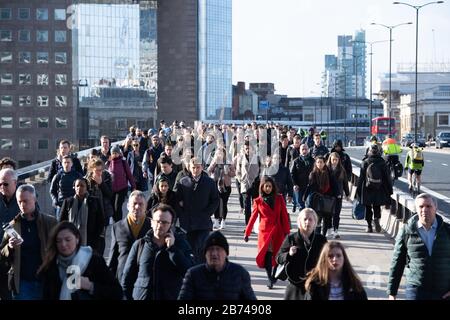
x,y
274,225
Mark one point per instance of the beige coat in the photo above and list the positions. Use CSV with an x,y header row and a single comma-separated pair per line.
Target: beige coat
x,y
246,171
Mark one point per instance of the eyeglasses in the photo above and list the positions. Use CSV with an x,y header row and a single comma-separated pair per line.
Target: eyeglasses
x,y
5,184
161,222
135,145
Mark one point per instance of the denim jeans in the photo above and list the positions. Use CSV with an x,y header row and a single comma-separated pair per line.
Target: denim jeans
x,y
29,290
197,240
298,201
413,292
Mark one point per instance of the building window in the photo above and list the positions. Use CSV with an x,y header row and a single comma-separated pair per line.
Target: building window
x,y
121,124
60,79
24,78
60,123
60,58
6,101
61,101
24,122
43,144
5,13
42,101
6,122
24,144
42,79
60,14
24,57
42,35
5,57
41,14
24,13
5,35
6,78
24,101
24,35
6,144
443,120
43,122
42,57
60,36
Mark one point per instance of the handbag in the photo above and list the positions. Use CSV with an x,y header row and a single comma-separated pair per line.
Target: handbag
x,y
358,210
324,205
280,273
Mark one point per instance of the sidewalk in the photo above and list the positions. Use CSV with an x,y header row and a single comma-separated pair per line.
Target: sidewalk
x,y
370,254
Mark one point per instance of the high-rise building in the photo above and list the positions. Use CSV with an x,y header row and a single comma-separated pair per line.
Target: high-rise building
x,y
36,95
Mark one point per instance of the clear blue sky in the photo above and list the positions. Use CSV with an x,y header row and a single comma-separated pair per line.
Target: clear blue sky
x,y
285,41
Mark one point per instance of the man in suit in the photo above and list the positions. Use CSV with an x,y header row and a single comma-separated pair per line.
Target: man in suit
x,y
126,231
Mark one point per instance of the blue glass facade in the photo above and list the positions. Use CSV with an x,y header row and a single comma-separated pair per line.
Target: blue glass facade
x,y
214,57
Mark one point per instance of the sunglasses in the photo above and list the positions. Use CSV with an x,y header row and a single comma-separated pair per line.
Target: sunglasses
x,y
5,184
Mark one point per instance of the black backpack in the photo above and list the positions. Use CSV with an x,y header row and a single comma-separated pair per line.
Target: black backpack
x,y
374,176
398,169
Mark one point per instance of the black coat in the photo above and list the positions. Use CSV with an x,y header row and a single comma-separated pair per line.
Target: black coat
x,y
159,273
121,241
346,162
319,292
171,200
95,220
202,283
381,196
300,263
282,179
199,204
103,191
106,287
56,167
300,171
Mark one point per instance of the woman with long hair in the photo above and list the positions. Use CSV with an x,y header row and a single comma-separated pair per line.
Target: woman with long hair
x,y
273,226
339,175
162,194
334,278
71,271
299,253
322,183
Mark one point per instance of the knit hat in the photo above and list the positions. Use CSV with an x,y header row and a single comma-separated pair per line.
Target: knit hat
x,y
216,238
116,149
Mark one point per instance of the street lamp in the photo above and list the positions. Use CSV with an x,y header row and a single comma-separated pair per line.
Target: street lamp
x,y
417,8
390,63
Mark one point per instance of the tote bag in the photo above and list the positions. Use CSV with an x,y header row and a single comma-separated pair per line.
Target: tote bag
x,y
358,210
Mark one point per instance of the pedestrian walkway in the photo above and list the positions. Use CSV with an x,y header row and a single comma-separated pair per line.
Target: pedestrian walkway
x,y
370,254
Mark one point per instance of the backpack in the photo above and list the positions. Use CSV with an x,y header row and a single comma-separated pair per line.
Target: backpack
x,y
398,169
417,155
373,176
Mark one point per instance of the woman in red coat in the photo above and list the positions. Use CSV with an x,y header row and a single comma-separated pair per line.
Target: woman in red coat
x,y
273,226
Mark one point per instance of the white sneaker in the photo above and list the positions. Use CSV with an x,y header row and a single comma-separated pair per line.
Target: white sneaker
x,y
330,233
111,220
336,235
216,224
222,224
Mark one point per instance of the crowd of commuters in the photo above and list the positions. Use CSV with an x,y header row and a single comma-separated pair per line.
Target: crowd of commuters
x,y
176,182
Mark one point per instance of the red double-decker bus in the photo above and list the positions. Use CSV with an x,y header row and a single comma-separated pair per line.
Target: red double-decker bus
x,y
380,126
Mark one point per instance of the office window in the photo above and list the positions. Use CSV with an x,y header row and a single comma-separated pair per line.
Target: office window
x,y
41,14
24,35
6,101
5,57
5,13
60,123
43,122
24,57
24,101
60,79
42,35
42,101
61,101
42,57
60,14
24,13
60,58
6,144
24,144
24,78
42,79
443,119
6,122
5,35
24,122
60,36
43,144
121,124
6,78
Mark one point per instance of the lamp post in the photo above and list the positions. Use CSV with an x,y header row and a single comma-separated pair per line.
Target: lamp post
x,y
417,8
390,63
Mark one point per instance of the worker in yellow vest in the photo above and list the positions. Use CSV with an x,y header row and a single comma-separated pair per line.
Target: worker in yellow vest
x,y
391,150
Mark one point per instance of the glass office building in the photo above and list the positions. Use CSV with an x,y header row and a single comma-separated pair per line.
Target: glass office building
x,y
214,59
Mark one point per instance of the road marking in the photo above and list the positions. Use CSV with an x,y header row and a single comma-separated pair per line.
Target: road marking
x,y
428,160
444,164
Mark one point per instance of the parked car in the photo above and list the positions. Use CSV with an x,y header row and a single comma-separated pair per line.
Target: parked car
x,y
443,139
408,138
